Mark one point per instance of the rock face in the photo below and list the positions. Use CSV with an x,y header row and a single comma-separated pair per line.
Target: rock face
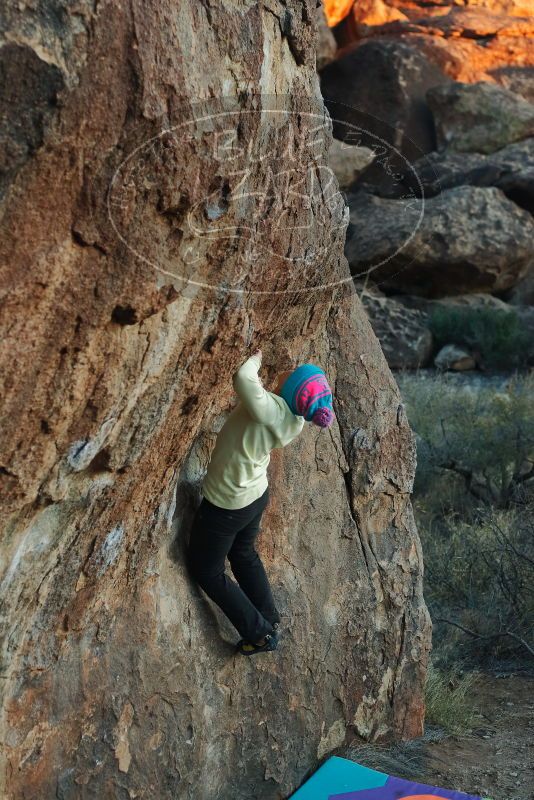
x,y
326,44
402,332
466,239
378,88
140,269
347,161
510,169
455,358
523,293
482,41
479,118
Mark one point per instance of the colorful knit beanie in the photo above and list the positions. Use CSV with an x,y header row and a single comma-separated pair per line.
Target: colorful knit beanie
x,y
307,393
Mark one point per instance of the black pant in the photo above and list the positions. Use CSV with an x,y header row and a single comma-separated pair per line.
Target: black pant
x,y
219,532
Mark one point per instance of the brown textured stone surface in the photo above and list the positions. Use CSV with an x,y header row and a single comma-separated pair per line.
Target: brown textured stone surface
x,y
116,681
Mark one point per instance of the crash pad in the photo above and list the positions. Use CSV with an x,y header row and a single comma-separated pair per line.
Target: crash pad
x,y
342,779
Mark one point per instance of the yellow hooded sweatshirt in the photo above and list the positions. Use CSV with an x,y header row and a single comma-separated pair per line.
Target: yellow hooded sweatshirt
x,y
262,421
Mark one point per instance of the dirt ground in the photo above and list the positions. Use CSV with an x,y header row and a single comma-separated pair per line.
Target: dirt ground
x,y
495,760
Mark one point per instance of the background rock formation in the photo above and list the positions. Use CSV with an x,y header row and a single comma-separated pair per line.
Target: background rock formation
x,y
479,118
485,40
466,239
441,93
403,332
380,87
117,376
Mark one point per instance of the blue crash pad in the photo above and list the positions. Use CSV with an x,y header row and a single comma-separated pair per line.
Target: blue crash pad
x,y
342,779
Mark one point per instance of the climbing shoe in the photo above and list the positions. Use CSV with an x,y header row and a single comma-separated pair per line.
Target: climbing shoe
x,y
250,649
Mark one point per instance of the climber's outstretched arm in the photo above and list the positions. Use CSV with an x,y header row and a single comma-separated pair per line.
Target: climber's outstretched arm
x,y
249,388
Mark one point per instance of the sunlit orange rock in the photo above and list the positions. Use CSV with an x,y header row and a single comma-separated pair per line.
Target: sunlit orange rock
x,y
479,40
376,12
336,10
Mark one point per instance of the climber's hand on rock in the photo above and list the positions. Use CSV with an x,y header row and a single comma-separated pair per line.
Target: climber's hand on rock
x,y
258,353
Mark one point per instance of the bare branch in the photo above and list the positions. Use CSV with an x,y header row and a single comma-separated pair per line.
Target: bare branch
x,y
487,635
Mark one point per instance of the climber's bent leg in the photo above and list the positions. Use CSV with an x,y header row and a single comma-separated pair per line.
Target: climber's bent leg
x,y
212,535
233,601
249,571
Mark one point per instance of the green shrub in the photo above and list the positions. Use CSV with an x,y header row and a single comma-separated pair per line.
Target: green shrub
x,y
474,506
479,574
496,334
448,699
482,436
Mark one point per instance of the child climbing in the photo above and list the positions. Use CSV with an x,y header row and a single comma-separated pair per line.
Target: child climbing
x,y
236,492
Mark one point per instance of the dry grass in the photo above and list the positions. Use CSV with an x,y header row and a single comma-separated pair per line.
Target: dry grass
x,y
448,700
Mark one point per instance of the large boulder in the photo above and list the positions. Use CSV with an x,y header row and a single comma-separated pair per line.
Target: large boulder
x,y
475,301
510,169
523,293
326,43
479,117
375,94
419,9
517,79
149,243
336,10
464,240
347,162
454,358
369,13
468,42
402,332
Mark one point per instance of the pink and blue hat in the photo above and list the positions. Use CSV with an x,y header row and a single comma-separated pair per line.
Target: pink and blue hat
x,y
307,393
